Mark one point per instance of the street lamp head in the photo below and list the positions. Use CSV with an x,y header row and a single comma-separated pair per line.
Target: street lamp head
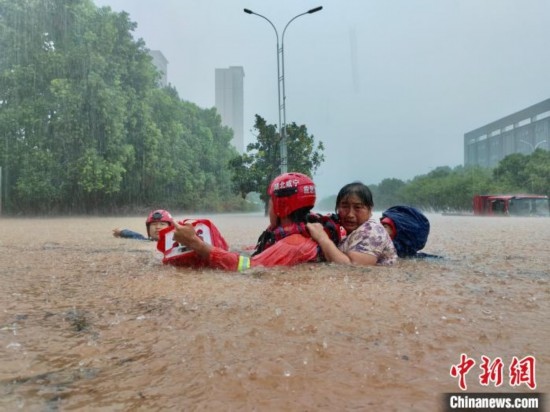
x,y
540,143
316,9
281,80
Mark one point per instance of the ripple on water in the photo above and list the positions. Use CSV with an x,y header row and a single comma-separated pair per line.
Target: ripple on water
x,y
90,321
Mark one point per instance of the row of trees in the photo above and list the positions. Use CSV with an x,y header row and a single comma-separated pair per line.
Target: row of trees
x,y
86,128
447,189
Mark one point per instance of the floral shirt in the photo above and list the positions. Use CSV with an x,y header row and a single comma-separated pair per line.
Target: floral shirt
x,y
371,238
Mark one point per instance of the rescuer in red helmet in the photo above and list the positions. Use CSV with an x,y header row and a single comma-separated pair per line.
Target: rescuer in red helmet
x,y
155,222
286,241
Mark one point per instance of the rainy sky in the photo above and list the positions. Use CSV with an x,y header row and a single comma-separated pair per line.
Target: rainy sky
x,y
389,86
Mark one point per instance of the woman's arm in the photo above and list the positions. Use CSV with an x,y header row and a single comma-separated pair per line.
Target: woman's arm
x,y
331,251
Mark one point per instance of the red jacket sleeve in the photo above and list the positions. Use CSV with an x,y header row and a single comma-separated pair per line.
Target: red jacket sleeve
x,y
290,251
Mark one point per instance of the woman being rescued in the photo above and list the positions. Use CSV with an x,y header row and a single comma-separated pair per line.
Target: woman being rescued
x,y
367,242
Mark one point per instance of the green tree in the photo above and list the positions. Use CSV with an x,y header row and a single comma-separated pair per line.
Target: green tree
x,y
63,95
509,175
388,193
84,124
254,170
303,155
537,170
446,189
524,173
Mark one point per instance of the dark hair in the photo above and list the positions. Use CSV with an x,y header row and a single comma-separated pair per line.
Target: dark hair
x,y
356,188
300,215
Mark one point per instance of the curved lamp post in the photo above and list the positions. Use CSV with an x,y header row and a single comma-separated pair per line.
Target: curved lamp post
x,y
533,148
281,81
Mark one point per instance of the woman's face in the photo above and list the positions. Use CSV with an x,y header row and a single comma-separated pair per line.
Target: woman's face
x,y
353,212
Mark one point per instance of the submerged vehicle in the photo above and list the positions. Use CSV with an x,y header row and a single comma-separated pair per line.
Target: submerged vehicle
x,y
511,205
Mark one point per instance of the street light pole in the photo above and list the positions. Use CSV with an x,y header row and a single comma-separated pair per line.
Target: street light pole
x,y
533,148
281,82
539,143
284,160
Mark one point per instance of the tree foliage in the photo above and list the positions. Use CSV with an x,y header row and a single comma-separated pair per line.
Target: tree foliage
x,y
524,173
84,125
254,170
446,189
387,193
537,171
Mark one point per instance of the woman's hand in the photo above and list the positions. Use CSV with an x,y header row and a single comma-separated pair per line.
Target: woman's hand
x,y
316,231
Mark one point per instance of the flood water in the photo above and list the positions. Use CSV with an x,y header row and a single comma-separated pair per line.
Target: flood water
x,y
91,322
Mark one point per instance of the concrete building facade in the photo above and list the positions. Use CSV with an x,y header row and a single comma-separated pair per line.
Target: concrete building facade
x,y
230,102
161,63
520,132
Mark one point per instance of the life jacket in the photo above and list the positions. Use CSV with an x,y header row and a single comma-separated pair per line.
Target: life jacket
x,y
179,255
333,229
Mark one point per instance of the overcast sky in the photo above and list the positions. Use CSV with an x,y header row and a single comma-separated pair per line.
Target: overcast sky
x,y
389,86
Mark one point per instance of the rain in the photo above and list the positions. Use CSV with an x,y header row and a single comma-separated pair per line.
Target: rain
x,y
389,87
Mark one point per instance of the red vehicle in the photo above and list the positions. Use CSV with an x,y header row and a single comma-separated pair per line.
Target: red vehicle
x,y
511,205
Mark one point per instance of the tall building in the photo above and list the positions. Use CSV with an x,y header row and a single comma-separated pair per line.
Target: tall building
x,y
230,102
520,132
161,63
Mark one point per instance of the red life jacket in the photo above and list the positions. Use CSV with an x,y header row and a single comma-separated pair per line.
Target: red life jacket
x,y
333,229
179,255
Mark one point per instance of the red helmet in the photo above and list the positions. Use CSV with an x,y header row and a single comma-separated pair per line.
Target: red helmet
x,y
290,192
159,215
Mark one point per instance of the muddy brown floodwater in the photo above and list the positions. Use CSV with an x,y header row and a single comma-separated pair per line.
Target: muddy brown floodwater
x,y
91,322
